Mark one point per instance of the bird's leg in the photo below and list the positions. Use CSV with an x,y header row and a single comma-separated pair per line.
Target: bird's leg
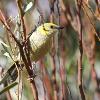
x,y
34,68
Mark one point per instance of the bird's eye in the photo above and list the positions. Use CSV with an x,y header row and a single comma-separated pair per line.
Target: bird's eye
x,y
51,26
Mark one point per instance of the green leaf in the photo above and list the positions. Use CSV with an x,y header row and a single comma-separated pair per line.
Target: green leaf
x,y
28,7
6,49
11,73
8,87
4,44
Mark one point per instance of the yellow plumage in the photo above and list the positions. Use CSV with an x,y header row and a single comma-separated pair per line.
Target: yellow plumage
x,y
40,40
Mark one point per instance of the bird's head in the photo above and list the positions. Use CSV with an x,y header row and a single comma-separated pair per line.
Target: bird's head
x,y
48,29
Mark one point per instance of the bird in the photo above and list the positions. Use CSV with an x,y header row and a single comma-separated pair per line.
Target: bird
x,y
40,40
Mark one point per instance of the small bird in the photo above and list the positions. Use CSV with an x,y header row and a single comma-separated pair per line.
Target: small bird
x,y
40,40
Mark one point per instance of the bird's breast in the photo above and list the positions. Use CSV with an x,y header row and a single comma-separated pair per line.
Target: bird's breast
x,y
40,45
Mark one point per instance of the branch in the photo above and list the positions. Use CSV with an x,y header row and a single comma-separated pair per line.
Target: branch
x,y
79,4
25,54
21,13
86,13
4,22
53,53
8,95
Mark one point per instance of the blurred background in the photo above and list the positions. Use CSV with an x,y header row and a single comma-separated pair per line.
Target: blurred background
x,y
64,53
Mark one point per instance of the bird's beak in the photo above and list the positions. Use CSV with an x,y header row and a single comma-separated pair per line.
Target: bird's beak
x,y
59,27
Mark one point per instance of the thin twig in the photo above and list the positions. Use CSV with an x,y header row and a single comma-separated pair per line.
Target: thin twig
x,y
4,22
79,5
8,95
98,5
61,68
53,54
85,11
30,73
55,86
21,13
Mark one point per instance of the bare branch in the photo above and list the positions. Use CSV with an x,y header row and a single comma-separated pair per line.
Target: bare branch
x,y
21,13
4,22
79,5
